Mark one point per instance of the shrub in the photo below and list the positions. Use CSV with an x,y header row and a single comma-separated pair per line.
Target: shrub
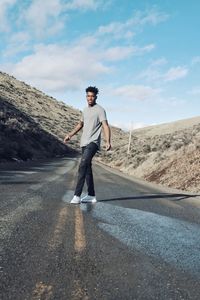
x,y
166,145
146,148
177,145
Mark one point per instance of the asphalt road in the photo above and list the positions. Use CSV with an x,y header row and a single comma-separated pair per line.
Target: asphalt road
x,y
137,242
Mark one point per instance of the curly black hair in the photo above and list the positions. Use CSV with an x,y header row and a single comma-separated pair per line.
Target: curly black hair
x,y
92,89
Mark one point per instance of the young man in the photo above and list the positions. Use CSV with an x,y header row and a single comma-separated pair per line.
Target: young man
x,y
93,118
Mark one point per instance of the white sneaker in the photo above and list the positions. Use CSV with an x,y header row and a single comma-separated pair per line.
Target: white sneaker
x,y
88,198
76,200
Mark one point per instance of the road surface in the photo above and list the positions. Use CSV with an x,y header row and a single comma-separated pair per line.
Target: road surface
x,y
137,242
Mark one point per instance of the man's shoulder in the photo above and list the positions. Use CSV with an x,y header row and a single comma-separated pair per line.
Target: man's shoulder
x,y
99,107
85,109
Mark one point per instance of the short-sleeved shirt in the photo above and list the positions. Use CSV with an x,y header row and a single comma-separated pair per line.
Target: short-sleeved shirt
x,y
92,116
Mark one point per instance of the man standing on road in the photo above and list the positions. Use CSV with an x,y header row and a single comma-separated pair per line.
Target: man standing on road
x,y
93,118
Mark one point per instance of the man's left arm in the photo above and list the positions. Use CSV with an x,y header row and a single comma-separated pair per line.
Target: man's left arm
x,y
107,132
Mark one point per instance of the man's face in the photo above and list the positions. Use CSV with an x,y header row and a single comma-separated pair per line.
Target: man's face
x,y
91,98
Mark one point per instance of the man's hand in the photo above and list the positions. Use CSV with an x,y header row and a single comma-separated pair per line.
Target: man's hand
x,y
73,132
108,146
67,138
107,133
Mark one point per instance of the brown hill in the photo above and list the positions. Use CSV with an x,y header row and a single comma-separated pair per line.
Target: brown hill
x,y
21,138
167,154
34,124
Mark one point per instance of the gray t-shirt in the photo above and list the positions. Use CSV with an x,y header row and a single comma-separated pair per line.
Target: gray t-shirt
x,y
92,117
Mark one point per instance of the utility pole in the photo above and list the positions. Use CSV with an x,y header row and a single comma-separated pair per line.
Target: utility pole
x,y
129,142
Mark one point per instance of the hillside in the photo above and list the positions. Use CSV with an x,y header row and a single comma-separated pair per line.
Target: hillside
x,y
34,124
167,154
23,139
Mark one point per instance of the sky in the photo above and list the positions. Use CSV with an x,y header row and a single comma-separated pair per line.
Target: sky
x,y
144,56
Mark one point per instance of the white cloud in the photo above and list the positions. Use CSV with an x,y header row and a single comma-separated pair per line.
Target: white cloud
x,y
127,29
136,92
159,62
83,4
152,16
18,42
195,60
4,6
153,72
87,41
150,74
44,16
56,68
175,73
119,52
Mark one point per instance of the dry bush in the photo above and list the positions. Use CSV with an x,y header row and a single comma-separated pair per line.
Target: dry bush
x,y
177,145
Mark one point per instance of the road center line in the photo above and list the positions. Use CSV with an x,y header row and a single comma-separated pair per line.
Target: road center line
x,y
78,291
60,226
42,291
80,241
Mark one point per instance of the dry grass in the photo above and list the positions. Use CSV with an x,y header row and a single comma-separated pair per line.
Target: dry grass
x,y
168,154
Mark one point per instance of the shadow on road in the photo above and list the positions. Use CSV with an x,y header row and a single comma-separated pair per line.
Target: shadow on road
x,y
154,196
18,182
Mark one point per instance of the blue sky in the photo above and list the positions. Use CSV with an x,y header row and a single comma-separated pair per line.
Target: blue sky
x,y
144,56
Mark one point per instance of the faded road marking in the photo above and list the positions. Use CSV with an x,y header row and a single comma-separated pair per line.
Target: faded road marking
x,y
80,242
59,228
79,290
42,291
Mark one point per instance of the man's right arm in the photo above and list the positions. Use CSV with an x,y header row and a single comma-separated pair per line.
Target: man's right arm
x,y
74,131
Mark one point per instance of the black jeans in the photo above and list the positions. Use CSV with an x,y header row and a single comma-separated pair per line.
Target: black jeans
x,y
85,170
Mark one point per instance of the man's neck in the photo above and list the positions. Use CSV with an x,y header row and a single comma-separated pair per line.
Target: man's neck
x,y
92,104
